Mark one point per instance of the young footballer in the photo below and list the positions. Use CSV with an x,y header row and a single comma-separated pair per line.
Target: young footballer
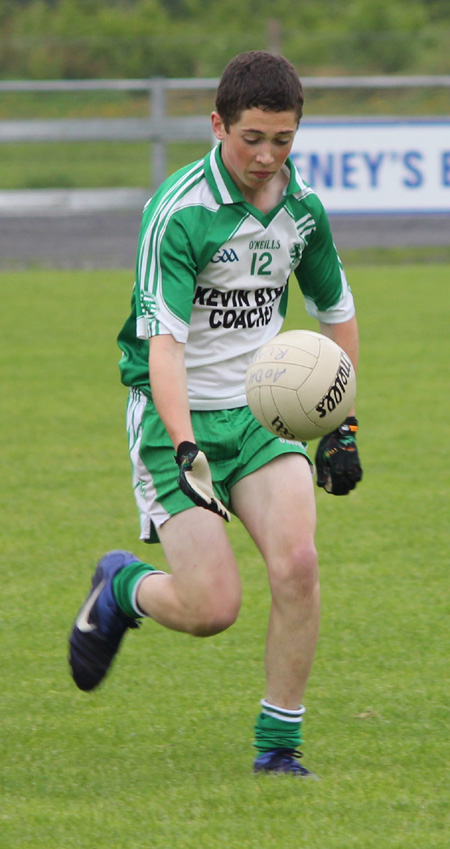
x,y
218,243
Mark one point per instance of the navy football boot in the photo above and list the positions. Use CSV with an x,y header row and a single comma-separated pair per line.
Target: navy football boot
x,y
100,624
282,760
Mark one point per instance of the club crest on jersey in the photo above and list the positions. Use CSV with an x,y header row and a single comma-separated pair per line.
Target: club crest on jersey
x,y
296,254
149,305
225,255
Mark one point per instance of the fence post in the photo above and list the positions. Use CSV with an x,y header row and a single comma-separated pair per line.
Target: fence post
x,y
159,152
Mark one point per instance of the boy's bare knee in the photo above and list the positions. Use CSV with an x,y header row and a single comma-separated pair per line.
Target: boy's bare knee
x,y
296,575
215,619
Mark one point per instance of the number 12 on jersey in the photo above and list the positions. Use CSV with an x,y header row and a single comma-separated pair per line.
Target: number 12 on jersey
x,y
260,263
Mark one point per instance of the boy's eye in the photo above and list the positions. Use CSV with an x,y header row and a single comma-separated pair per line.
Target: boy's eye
x,y
278,142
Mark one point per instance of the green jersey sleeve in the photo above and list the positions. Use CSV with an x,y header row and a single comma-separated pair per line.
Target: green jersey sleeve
x,y
321,276
165,277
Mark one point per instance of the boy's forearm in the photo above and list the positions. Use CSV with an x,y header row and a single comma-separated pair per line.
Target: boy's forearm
x,y
168,383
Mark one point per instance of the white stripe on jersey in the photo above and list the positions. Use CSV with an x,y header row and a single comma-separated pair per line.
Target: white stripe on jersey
x,y
150,277
306,226
165,207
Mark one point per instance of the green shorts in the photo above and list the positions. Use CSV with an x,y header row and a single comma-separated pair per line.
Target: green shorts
x,y
233,441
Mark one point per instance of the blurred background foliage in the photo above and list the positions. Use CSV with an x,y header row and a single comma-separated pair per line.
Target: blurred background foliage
x,y
88,39
98,39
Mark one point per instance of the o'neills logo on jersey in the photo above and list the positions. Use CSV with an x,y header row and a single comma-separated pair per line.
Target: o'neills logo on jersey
x,y
238,307
265,245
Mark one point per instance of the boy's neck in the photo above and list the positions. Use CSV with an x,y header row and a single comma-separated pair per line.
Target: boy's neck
x,y
269,197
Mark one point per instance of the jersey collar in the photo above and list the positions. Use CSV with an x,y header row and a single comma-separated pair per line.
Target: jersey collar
x,y
224,188
222,185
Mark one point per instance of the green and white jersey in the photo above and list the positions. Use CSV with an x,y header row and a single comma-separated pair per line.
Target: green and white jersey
x,y
213,271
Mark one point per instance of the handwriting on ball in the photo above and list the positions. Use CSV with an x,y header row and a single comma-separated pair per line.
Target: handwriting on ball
x,y
276,352
265,374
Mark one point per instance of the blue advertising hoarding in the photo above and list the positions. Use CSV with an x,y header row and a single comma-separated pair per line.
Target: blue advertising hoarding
x,y
371,166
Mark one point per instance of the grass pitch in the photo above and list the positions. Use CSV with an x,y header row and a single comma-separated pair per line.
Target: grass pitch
x,y
161,755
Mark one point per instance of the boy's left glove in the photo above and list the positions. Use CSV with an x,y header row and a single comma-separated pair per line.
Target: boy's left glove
x,y
195,479
337,459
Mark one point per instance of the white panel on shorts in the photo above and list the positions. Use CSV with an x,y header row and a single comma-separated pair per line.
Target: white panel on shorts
x,y
150,510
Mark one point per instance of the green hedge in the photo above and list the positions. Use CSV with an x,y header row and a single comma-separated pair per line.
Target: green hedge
x,y
42,39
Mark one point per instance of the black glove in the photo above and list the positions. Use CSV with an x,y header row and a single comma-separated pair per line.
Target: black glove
x,y
337,459
195,479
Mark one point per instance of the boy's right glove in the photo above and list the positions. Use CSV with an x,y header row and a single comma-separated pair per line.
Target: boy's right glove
x,y
195,479
337,459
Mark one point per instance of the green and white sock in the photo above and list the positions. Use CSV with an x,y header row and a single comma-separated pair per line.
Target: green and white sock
x,y
126,584
278,728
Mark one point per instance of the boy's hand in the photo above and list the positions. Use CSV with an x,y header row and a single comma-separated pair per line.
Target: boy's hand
x,y
337,459
195,480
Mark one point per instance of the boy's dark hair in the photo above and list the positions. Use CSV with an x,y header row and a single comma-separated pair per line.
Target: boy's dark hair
x,y
257,79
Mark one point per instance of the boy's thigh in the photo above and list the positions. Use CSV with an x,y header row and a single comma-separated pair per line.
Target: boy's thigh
x,y
200,556
277,505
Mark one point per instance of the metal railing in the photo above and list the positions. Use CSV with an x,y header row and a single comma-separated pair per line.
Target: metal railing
x,y
159,128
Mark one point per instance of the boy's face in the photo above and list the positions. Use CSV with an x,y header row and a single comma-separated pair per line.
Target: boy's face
x,y
256,146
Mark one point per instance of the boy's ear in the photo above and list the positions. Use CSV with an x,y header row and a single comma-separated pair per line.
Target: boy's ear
x,y
218,127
